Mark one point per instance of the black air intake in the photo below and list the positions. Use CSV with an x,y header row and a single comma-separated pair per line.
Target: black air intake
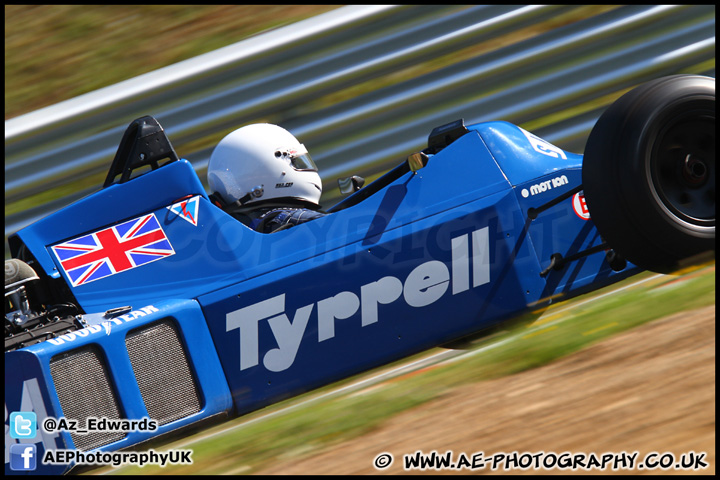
x,y
163,372
83,386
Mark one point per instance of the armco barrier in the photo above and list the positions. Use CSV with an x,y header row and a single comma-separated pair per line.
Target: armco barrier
x,y
362,87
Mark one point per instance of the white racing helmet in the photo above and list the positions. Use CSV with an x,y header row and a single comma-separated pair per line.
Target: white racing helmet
x,y
261,162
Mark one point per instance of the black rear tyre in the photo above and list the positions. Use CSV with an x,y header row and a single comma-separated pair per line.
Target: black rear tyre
x,y
649,172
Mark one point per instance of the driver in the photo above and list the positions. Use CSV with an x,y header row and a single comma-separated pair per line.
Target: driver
x,y
264,177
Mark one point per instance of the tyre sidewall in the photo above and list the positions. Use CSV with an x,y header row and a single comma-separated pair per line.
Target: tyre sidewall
x,y
620,188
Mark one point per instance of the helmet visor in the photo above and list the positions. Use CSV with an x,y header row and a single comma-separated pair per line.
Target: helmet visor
x,y
303,163
299,158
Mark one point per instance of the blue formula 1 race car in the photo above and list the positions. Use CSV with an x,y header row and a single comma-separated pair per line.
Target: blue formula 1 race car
x,y
146,302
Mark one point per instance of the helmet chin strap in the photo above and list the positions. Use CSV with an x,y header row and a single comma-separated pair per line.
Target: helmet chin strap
x,y
245,199
255,193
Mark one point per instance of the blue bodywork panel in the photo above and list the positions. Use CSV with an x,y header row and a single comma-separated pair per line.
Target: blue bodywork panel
x,y
262,317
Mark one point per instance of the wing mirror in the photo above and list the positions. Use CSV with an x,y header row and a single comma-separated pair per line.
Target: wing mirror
x,y
416,161
351,184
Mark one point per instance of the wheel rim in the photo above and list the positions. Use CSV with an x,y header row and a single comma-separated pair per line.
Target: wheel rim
x,y
682,169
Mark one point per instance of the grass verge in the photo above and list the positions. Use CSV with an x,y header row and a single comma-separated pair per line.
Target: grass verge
x,y
56,52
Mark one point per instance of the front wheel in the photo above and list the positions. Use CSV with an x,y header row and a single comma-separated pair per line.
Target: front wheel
x,y
649,172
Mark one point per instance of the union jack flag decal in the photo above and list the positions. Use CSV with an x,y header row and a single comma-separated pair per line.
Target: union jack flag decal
x,y
113,250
